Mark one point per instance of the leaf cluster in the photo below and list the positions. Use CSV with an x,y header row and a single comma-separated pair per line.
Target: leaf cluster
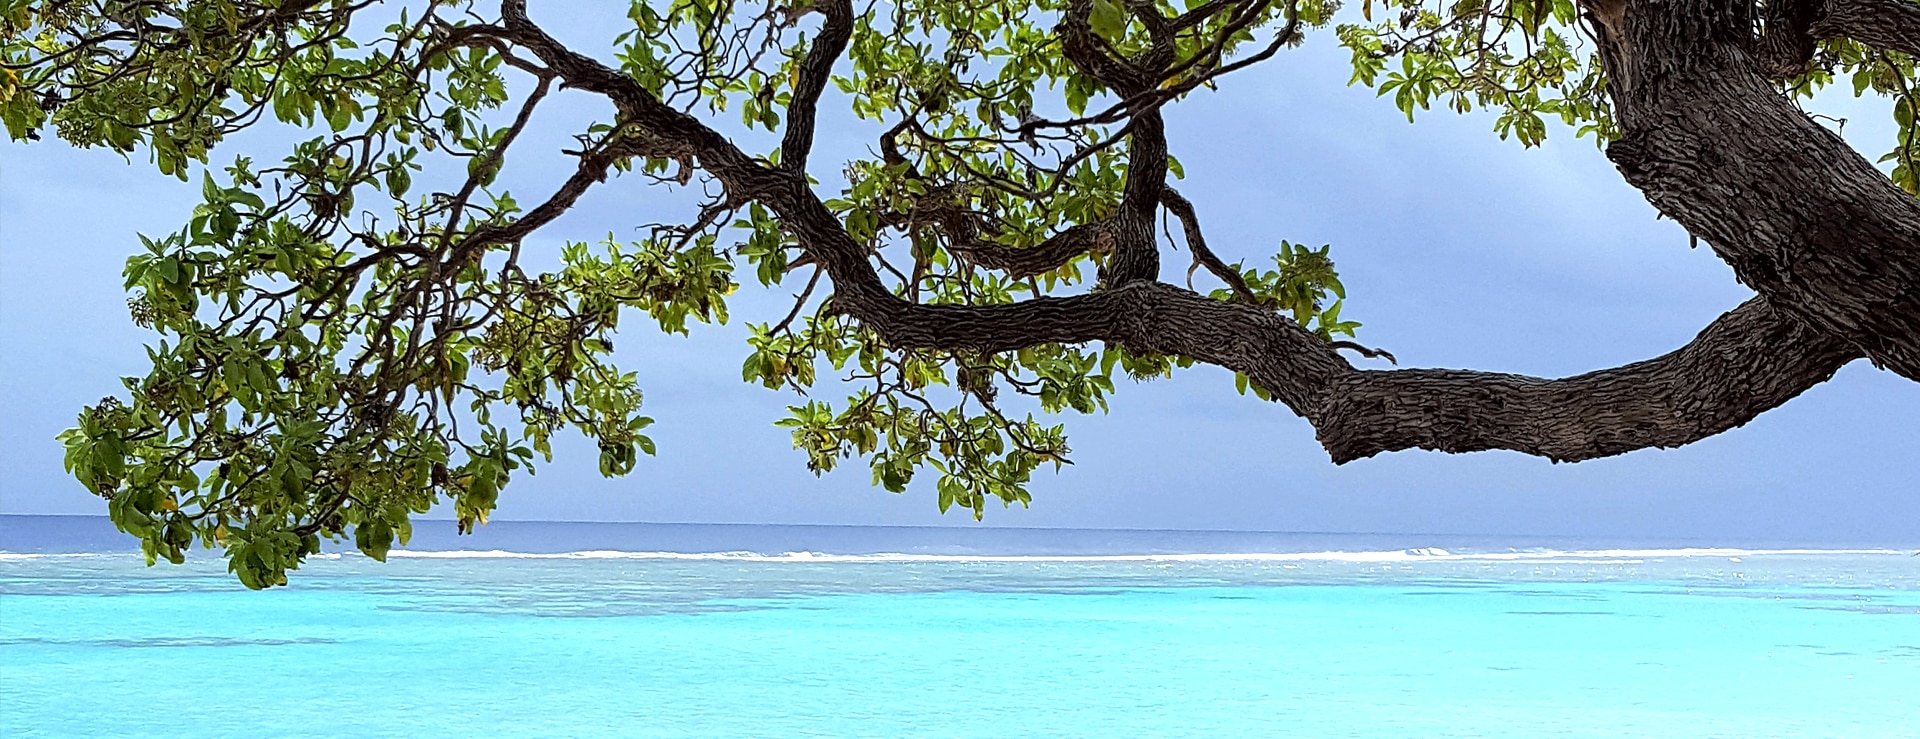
x,y
1526,59
352,334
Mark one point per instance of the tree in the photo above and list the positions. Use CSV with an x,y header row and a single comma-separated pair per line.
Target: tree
x,y
342,347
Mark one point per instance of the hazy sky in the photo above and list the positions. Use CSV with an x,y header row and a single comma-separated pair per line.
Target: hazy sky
x,y
1458,250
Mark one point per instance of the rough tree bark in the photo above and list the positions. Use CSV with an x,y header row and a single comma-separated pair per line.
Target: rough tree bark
x,y
1893,25
1801,217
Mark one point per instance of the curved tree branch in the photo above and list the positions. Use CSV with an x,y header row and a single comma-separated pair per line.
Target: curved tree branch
x,y
1801,217
1891,25
815,71
1041,258
1197,243
366,413
1793,27
1748,361
1135,252
1787,42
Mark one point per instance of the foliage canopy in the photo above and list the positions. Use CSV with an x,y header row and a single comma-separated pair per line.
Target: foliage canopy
x,y
349,333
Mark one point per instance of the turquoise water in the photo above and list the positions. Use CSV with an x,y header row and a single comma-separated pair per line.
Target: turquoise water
x,y
1394,644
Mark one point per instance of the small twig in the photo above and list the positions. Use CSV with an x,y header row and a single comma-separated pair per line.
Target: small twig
x,y
800,301
1364,351
1197,243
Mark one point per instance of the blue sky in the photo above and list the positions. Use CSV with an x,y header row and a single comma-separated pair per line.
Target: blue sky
x,y
1458,250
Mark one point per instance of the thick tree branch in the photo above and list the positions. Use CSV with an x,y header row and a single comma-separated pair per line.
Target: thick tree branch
x,y
1801,217
1786,43
942,205
1136,253
1093,56
815,71
1748,361
1042,258
1891,25
1793,27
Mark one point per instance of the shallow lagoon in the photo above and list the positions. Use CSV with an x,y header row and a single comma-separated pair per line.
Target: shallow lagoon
x,y
1686,643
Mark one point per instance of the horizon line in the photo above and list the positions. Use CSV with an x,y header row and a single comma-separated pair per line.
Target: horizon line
x,y
976,527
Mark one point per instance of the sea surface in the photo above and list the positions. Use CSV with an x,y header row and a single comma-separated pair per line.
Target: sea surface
x,y
660,630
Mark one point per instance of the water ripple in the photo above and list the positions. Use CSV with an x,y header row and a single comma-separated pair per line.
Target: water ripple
x,y
164,642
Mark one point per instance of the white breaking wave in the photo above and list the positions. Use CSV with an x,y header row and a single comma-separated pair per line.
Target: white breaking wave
x,y
10,556
1425,554
1604,556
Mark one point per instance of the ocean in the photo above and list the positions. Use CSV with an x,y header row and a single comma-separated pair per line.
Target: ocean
x,y
676,630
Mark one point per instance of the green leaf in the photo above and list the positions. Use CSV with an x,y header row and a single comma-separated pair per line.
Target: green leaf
x,y
1108,19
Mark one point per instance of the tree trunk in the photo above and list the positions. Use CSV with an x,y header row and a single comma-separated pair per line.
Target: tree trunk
x,y
1802,218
